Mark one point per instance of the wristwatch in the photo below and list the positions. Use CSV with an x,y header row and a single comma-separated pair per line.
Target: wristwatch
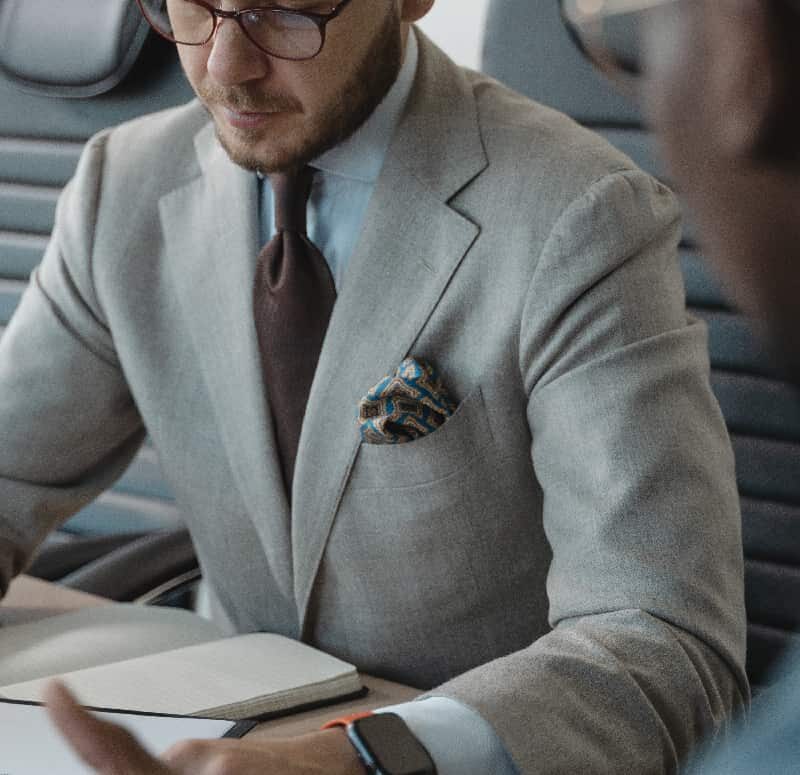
x,y
386,746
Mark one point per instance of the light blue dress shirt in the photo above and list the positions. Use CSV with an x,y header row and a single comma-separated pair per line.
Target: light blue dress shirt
x,y
458,739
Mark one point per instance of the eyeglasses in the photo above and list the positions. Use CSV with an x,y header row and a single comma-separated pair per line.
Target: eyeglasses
x,y
285,33
616,35
612,33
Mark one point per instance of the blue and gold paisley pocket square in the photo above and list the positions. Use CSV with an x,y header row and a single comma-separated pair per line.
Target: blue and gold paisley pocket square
x,y
404,406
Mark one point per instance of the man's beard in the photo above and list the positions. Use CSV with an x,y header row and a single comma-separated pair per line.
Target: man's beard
x,y
357,100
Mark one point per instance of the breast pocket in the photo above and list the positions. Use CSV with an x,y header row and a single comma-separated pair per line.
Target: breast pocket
x,y
424,542
439,455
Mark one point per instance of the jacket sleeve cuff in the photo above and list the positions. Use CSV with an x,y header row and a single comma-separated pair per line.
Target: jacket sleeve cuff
x,y
459,741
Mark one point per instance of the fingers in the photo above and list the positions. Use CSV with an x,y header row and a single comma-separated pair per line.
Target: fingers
x,y
111,750
106,748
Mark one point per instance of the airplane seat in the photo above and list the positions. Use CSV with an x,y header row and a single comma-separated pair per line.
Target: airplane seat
x,y
528,47
68,70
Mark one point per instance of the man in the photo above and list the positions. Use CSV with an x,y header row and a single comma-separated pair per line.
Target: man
x,y
584,483
719,81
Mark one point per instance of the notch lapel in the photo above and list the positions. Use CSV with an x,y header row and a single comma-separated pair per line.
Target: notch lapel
x,y
411,245
210,229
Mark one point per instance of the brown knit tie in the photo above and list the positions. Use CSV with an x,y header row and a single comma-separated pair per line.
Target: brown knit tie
x,y
293,299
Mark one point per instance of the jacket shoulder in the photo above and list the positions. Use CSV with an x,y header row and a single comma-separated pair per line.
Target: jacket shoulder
x,y
152,151
524,135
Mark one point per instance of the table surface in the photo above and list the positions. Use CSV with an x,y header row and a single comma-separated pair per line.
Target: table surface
x,y
29,599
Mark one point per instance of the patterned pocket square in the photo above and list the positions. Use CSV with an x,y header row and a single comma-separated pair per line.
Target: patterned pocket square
x,y
404,406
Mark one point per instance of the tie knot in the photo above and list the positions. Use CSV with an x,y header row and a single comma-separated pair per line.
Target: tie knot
x,y
291,191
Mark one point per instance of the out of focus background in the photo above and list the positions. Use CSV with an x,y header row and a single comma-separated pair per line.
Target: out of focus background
x,y
458,27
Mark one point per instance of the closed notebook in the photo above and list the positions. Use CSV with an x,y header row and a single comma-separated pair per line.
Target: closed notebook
x,y
245,676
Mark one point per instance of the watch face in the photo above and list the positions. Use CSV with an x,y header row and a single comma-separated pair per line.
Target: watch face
x,y
391,746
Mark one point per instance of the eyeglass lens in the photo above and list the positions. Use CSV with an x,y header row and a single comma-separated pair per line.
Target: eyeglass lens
x,y
619,40
284,34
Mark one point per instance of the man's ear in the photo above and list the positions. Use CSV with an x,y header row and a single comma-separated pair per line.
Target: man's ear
x,y
413,10
742,83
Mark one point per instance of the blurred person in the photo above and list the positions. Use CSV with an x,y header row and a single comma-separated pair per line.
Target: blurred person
x,y
719,80
723,92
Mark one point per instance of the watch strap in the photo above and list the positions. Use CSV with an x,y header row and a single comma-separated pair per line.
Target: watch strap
x,y
345,721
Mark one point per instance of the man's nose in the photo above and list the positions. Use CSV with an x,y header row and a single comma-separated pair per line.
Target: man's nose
x,y
234,59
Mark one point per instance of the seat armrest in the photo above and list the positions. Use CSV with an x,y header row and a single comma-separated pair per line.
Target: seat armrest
x,y
138,567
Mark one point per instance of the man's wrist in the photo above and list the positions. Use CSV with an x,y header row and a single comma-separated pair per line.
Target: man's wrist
x,y
342,724
342,750
384,745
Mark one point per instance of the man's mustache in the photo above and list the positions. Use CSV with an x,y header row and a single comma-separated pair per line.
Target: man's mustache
x,y
242,102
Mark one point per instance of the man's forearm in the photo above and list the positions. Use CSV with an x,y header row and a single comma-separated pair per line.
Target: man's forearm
x,y
617,692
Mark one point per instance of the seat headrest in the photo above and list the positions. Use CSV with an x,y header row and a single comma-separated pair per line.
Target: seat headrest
x,y
69,48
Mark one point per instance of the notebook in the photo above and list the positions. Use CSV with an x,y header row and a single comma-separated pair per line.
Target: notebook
x,y
167,661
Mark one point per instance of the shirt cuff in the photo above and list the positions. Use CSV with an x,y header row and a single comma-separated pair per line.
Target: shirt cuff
x,y
459,740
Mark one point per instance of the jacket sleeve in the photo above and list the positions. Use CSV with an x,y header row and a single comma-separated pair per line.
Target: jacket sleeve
x,y
646,652
68,424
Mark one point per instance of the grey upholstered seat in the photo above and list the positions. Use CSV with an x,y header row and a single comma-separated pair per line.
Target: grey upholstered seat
x,y
527,47
67,70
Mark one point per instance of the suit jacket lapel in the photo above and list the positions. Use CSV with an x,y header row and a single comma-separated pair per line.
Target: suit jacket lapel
x,y
411,244
211,233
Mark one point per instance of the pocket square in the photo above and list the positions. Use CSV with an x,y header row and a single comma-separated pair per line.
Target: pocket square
x,y
404,406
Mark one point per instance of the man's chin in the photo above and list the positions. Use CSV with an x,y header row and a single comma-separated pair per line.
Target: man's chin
x,y
246,149
257,154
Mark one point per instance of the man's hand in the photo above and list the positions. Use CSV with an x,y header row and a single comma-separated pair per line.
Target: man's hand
x,y
110,750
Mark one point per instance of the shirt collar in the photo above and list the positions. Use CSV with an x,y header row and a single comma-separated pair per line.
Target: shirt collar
x,y
361,156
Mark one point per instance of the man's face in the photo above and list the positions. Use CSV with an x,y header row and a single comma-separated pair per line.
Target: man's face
x,y
273,114
677,62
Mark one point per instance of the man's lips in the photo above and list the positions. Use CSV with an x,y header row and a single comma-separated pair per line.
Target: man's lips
x,y
246,119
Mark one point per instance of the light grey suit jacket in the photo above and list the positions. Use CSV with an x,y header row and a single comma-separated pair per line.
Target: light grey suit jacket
x,y
562,555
